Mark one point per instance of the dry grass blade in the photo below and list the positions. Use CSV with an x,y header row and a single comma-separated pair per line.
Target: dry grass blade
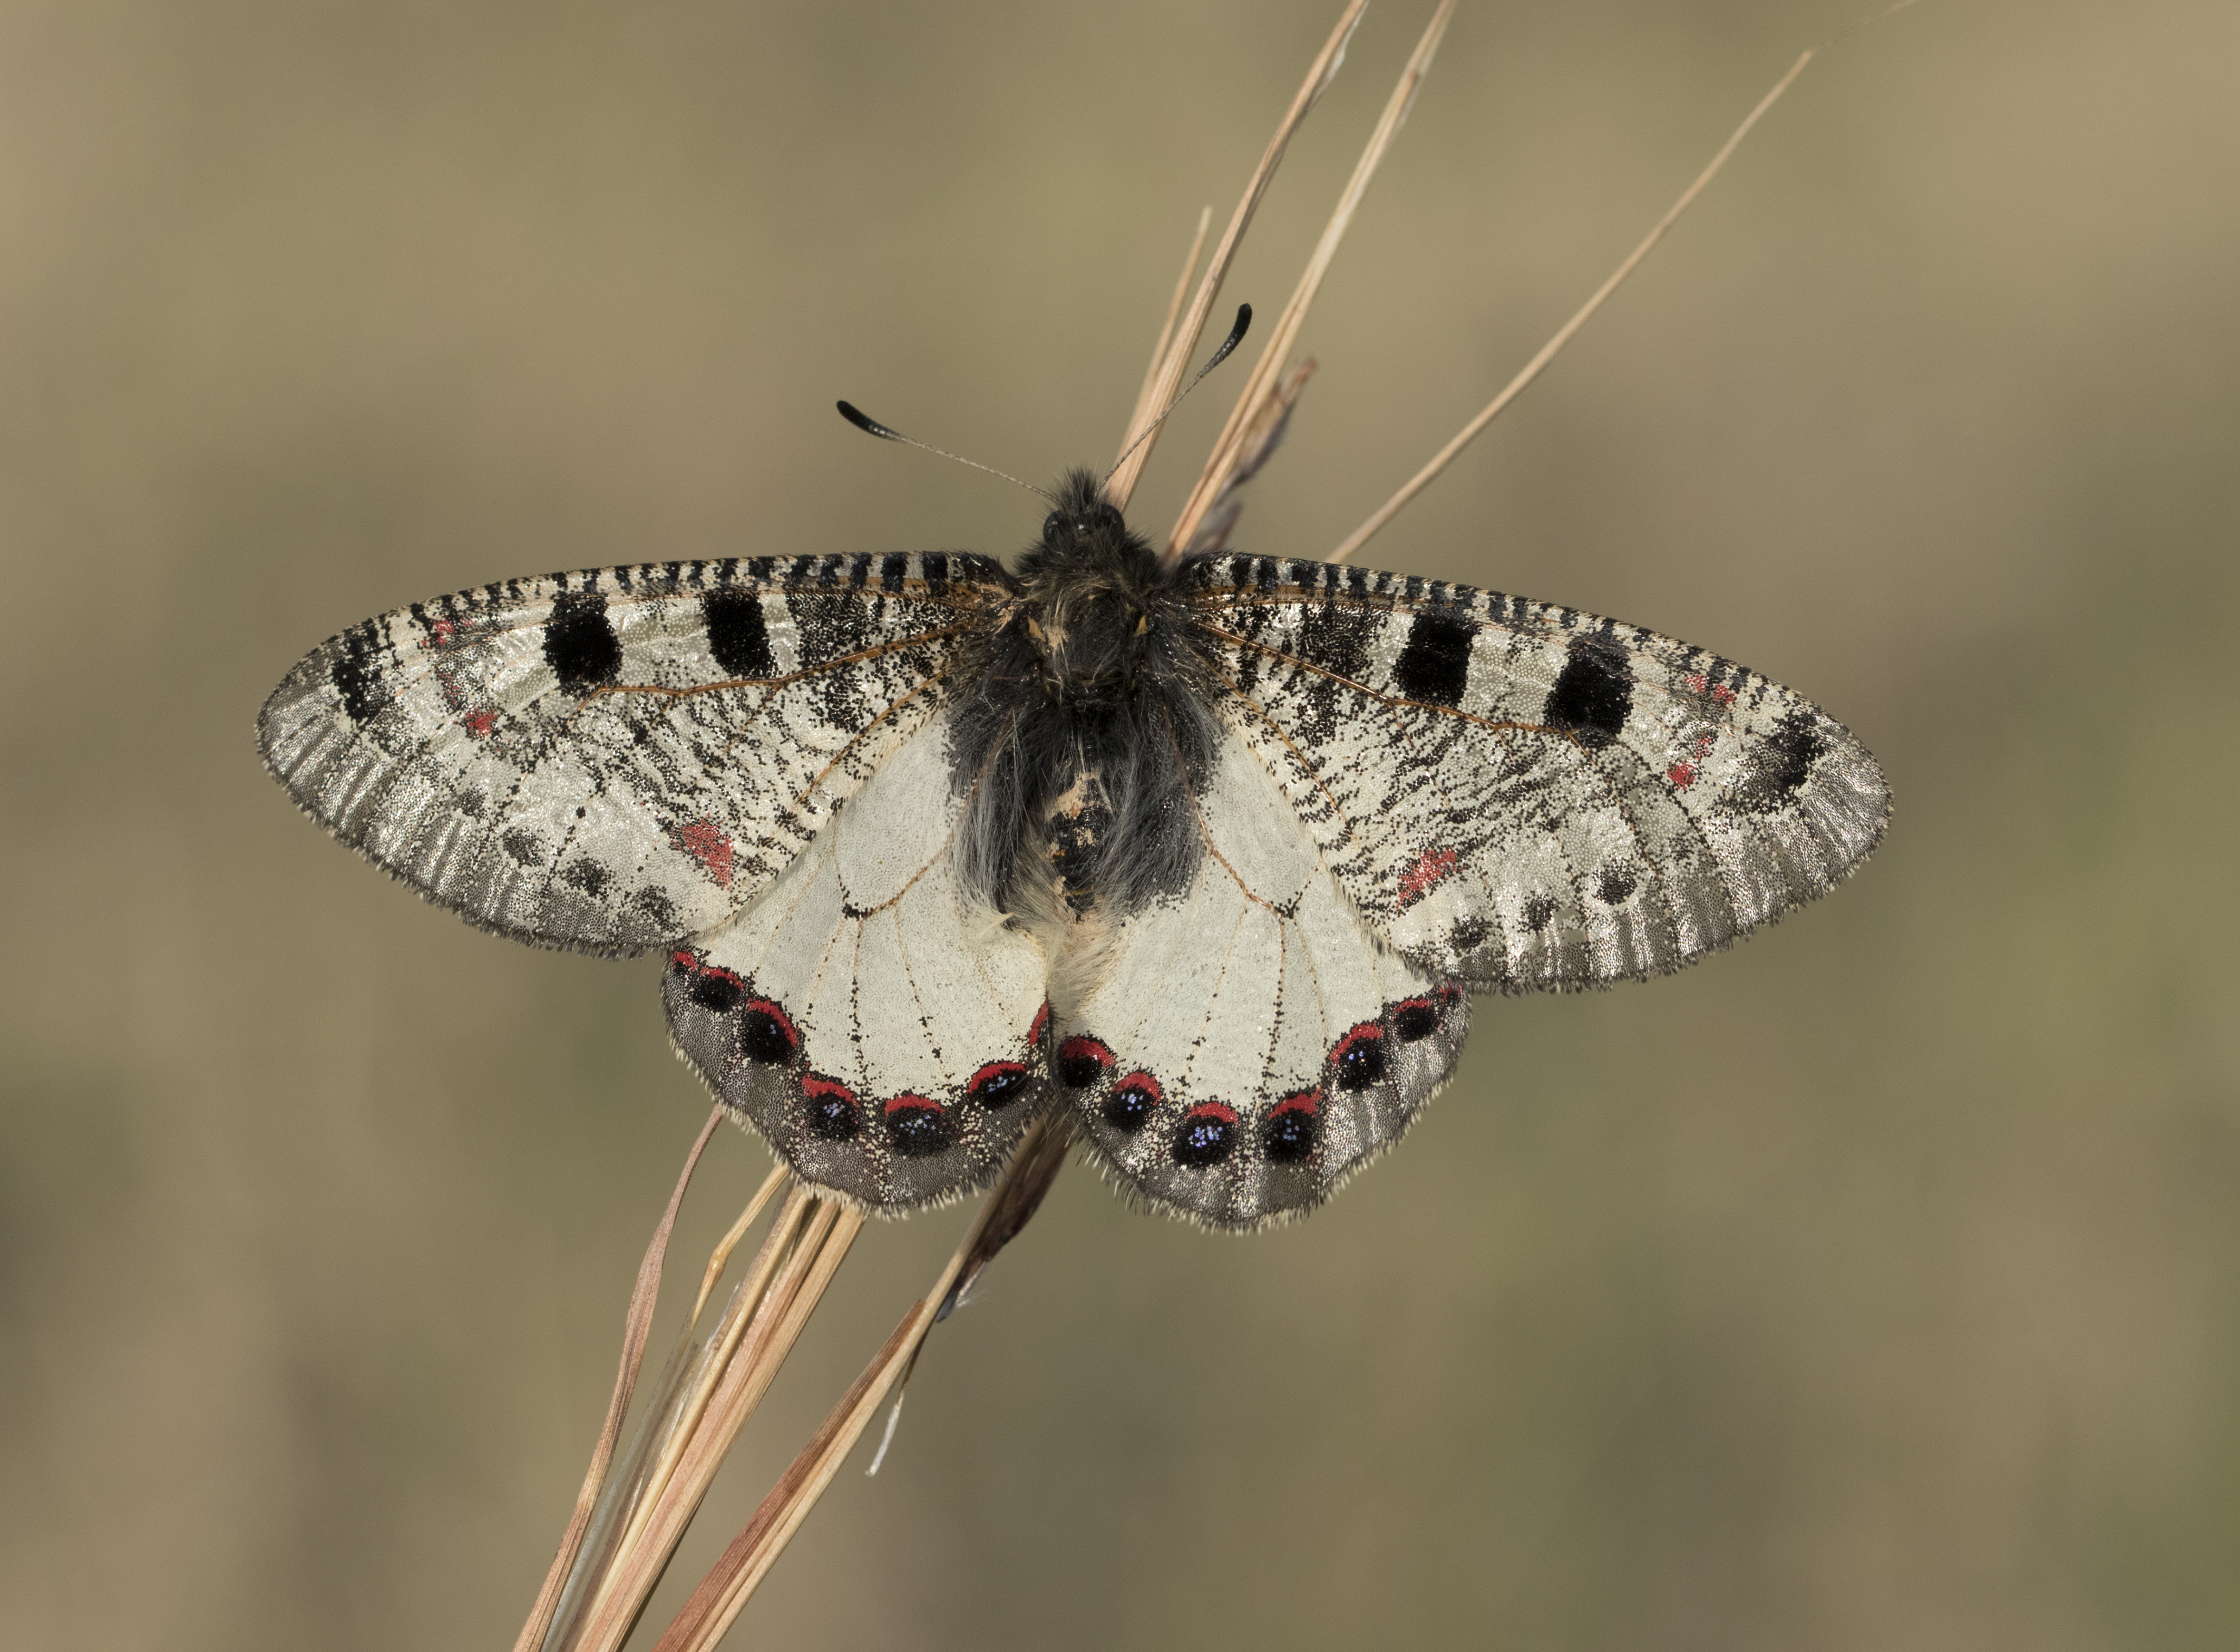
x,y
1532,370
1169,378
807,1242
1010,1203
637,1324
1222,466
1136,417
1259,441
721,1256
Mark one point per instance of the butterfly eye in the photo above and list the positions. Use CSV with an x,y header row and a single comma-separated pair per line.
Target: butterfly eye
x,y
1053,528
1107,517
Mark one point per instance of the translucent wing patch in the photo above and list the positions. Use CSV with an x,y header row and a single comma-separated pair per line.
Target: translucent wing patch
x,y
610,759
1245,1044
887,1035
1525,796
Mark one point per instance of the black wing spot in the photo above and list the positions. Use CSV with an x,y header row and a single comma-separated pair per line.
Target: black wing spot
x,y
1359,1057
659,909
525,846
1416,1019
1293,1128
716,989
1592,696
587,875
1781,765
766,1032
999,1083
1537,911
737,635
916,1128
833,1114
1207,1135
356,673
1133,1101
1082,1062
580,644
1435,663
1615,884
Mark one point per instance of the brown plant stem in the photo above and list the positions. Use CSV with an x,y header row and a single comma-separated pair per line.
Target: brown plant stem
x,y
1135,446
638,1322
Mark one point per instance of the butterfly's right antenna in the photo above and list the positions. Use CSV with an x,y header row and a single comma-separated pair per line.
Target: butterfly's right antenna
x,y
1236,338
864,422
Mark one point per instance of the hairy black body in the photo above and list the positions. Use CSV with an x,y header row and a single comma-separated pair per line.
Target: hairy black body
x,y
1085,728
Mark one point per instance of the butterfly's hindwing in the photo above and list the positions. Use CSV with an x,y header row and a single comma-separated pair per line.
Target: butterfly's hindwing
x,y
885,1032
1245,1044
1523,794
610,759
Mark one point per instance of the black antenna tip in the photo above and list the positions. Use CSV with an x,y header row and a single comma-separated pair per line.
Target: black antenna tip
x,y
1236,338
864,422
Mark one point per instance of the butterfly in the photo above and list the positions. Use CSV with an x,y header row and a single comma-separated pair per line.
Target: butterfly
x,y
1212,851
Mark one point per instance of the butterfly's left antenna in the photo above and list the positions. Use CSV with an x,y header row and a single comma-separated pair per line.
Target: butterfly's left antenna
x,y
1236,338
864,422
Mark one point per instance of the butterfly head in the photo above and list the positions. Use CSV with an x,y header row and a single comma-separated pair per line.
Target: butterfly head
x,y
1094,596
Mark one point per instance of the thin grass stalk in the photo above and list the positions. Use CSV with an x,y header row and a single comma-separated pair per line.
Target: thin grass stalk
x,y
638,1324
1532,370
1137,415
694,1369
1268,372
703,1619
1136,446
821,1231
693,1365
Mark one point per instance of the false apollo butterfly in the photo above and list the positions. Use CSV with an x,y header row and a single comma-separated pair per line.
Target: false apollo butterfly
x,y
1212,851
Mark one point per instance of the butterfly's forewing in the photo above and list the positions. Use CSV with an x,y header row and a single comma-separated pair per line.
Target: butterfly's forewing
x,y
612,759
885,1031
1522,795
1245,1044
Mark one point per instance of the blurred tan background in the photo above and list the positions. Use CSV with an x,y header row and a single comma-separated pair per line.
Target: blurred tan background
x,y
1876,1285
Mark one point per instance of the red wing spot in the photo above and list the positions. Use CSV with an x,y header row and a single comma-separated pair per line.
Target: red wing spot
x,y
998,1083
479,723
685,960
1682,775
704,842
1305,1100
766,1032
1082,1062
1435,865
1723,695
1359,1056
833,1114
1695,683
1042,1024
